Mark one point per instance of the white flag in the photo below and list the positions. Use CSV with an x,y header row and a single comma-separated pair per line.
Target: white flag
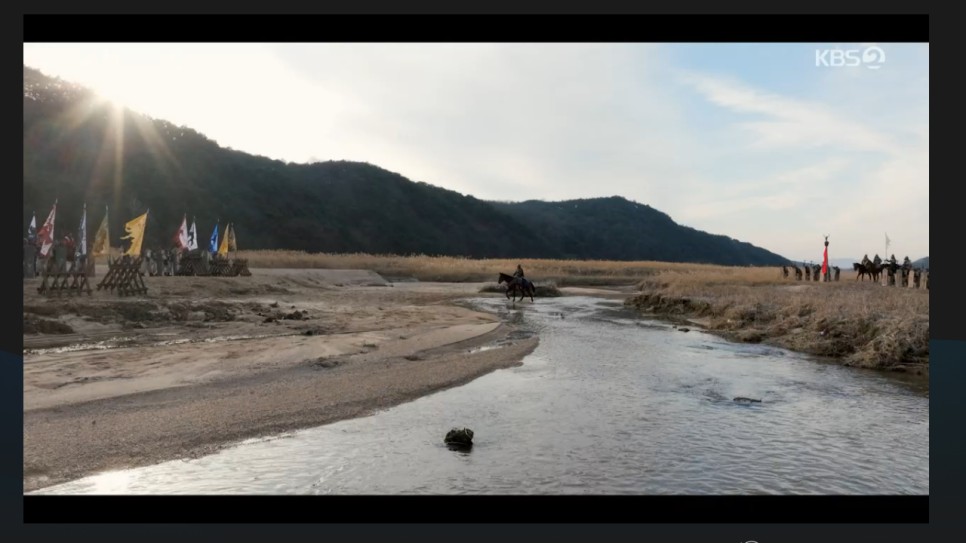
x,y
193,236
82,236
32,230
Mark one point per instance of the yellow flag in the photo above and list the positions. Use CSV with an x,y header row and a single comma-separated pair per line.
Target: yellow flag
x,y
232,244
223,248
100,238
135,230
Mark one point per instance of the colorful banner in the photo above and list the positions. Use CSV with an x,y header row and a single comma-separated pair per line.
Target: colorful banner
x,y
135,230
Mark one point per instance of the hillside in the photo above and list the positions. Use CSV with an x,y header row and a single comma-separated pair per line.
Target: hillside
x,y
78,148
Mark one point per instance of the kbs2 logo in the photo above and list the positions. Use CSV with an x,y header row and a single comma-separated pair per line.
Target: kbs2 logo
x,y
871,57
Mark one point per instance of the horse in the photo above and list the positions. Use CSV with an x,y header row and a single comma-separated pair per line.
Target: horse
x,y
517,284
861,270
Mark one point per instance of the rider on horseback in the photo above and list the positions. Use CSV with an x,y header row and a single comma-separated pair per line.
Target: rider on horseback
x,y
876,261
907,264
865,260
518,276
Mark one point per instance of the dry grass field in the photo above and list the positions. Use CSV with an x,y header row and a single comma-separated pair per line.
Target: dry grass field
x,y
862,323
455,269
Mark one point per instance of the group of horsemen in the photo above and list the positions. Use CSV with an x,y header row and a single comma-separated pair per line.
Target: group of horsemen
x,y
871,267
876,265
876,262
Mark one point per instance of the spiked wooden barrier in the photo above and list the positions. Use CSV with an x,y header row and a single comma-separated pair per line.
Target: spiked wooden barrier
x,y
192,264
240,267
195,264
59,279
124,276
220,267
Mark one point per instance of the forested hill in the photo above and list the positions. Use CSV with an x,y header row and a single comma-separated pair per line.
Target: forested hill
x,y
73,153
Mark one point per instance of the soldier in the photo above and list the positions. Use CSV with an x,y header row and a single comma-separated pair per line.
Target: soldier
x,y
175,260
906,263
865,260
158,262
69,247
145,263
60,256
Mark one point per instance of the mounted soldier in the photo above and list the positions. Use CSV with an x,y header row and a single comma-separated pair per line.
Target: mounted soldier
x,y
866,261
876,261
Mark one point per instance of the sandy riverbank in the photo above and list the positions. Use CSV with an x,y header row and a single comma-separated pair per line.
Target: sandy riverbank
x,y
202,362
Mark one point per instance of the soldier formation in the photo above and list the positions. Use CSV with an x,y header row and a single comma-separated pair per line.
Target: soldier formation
x,y
904,275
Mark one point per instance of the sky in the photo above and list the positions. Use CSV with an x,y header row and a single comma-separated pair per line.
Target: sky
x,y
773,144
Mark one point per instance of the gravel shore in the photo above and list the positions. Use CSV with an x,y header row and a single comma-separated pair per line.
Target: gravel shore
x,y
188,379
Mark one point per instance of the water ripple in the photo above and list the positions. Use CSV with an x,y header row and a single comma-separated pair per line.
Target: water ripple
x,y
606,404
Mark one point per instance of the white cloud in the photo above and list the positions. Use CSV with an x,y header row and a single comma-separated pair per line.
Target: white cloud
x,y
791,122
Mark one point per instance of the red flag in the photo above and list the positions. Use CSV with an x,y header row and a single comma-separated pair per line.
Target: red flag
x,y
825,261
181,237
45,236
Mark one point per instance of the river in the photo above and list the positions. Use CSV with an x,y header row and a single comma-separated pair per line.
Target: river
x,y
610,402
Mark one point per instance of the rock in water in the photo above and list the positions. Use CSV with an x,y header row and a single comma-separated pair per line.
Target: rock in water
x,y
742,399
459,437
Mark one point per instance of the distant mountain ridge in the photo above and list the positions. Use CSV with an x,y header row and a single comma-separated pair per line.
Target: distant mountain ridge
x,y
336,206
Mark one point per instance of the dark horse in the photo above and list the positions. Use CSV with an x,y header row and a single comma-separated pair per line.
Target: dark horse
x,y
871,270
516,285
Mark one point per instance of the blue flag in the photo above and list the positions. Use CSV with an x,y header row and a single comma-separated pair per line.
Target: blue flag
x,y
213,244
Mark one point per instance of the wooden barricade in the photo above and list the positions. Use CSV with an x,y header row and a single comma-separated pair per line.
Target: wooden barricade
x,y
59,279
220,267
124,277
240,267
200,263
193,263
